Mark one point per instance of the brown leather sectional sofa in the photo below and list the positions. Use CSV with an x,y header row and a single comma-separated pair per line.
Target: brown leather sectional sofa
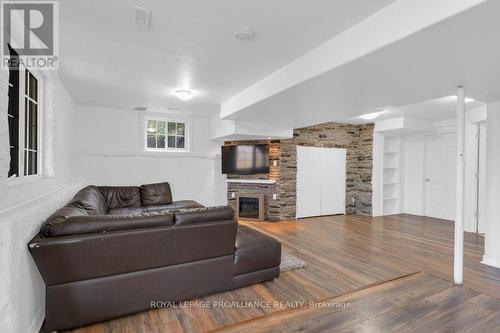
x,y
112,251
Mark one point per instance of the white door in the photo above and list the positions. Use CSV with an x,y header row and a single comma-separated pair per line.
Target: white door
x,y
333,180
440,173
481,188
308,183
321,178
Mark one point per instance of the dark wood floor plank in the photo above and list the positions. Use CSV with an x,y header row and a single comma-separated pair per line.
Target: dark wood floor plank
x,y
344,254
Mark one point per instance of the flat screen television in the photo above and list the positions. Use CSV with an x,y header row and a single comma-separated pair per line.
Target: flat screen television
x,y
245,159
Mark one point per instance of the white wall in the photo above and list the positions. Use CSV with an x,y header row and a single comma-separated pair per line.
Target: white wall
x,y
24,205
111,152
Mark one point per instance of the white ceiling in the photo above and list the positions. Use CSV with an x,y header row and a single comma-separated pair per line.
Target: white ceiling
x,y
424,66
191,45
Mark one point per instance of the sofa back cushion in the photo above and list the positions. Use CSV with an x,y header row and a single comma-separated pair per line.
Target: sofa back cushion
x,y
121,196
156,194
90,199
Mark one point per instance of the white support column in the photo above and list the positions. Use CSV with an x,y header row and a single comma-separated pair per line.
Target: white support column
x,y
459,210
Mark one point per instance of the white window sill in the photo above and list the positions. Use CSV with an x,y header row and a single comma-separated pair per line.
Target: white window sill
x,y
176,151
14,181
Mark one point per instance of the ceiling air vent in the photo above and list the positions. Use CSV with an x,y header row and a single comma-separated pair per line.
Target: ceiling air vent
x,y
142,17
140,108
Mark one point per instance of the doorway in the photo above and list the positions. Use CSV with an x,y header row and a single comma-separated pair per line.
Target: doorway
x,y
440,175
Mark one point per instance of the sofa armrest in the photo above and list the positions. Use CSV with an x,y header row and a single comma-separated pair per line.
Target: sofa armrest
x,y
77,225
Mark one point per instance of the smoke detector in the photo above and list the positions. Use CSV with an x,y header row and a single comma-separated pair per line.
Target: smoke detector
x,y
142,17
244,34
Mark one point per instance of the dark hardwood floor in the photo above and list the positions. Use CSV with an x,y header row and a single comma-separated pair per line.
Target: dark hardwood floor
x,y
395,271
416,303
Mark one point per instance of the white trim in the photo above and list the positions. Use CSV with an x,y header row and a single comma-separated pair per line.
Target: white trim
x,y
494,262
22,126
252,181
144,136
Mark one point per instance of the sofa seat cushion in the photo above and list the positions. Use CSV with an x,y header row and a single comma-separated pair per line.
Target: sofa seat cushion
x,y
173,206
90,199
126,211
255,251
185,216
156,194
121,196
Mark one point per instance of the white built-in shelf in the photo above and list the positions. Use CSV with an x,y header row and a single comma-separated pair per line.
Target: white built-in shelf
x,y
392,198
252,181
391,152
391,183
391,167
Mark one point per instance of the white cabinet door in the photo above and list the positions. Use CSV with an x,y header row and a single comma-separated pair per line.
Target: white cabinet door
x,y
308,183
321,179
441,173
333,180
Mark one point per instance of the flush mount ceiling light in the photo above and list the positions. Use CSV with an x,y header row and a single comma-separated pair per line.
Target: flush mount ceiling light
x,y
244,34
370,116
184,94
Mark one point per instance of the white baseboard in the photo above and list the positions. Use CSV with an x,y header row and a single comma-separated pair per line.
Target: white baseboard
x,y
491,261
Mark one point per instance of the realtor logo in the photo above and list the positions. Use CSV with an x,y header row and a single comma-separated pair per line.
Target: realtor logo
x,y
31,28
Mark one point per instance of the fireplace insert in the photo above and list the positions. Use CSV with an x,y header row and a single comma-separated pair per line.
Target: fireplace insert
x,y
250,207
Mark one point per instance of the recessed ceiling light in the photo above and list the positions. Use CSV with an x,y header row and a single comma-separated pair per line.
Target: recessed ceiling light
x,y
370,116
467,99
244,34
184,94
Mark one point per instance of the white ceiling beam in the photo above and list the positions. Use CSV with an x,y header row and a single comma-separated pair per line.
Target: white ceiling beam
x,y
391,24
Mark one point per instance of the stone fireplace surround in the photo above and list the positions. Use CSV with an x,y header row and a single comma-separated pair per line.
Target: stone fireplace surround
x,y
356,139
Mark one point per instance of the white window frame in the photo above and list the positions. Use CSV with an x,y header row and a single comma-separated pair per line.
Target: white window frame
x,y
187,134
21,177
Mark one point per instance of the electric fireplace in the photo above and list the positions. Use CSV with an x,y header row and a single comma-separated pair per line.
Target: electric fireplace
x,y
250,207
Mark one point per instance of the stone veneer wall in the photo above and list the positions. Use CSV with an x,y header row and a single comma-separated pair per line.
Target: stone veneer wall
x,y
356,139
358,142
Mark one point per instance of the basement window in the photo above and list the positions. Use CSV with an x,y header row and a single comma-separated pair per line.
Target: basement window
x,y
166,135
24,121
